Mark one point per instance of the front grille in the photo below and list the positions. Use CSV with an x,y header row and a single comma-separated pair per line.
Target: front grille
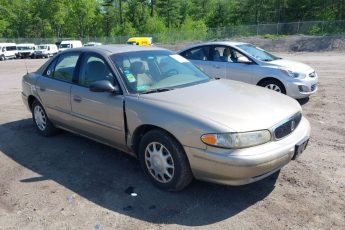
x,y
287,127
312,74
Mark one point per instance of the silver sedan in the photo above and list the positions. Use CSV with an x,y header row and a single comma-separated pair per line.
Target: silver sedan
x,y
247,63
158,107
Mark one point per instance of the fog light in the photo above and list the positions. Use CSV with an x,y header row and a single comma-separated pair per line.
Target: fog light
x,y
303,88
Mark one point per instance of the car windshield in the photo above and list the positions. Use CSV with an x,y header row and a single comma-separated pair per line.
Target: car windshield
x,y
257,52
65,45
42,47
155,71
24,48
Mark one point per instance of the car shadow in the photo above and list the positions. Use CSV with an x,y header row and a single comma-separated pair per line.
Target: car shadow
x,y
303,101
108,178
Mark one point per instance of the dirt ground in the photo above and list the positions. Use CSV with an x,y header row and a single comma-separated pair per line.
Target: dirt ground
x,y
69,182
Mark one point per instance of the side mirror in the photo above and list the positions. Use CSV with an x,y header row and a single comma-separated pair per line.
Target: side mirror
x,y
103,86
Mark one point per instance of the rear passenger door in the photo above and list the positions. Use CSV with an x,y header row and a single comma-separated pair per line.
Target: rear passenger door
x,y
54,87
199,56
98,114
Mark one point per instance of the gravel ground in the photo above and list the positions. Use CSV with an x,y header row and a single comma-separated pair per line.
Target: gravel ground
x,y
69,182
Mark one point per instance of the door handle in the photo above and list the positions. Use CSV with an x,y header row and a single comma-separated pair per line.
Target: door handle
x,y
77,98
217,66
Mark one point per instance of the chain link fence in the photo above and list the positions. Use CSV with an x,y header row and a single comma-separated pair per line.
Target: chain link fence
x,y
267,30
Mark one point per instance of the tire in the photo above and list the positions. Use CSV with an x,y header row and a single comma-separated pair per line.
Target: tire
x,y
41,121
2,58
273,84
167,149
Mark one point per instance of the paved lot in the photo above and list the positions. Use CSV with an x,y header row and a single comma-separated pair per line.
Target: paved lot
x,y
69,182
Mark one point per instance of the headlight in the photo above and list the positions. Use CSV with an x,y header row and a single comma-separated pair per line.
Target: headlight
x,y
236,140
292,74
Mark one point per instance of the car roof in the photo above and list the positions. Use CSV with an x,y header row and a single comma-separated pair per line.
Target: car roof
x,y
226,43
26,44
115,49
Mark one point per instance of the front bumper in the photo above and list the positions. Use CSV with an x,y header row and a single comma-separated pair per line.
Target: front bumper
x,y
244,166
302,88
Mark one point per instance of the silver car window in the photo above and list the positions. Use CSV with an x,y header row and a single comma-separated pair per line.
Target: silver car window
x,y
94,69
65,67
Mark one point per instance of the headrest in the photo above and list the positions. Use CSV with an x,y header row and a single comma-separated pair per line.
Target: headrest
x,y
137,67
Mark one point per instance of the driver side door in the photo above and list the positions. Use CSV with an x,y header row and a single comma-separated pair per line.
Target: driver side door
x,y
98,115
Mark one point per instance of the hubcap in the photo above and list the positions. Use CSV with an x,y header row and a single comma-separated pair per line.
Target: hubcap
x,y
273,87
40,118
159,162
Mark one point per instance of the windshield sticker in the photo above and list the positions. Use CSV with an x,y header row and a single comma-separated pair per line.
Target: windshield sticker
x,y
130,77
179,58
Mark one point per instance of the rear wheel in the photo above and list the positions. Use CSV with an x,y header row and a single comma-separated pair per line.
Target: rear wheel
x,y
273,84
164,161
42,123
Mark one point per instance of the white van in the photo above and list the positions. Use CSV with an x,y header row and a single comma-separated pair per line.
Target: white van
x,y
45,51
25,50
69,44
7,51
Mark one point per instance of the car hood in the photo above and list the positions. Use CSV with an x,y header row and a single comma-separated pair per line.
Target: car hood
x,y
236,106
292,65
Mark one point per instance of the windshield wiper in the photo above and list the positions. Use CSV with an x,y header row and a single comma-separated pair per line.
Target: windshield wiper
x,y
158,90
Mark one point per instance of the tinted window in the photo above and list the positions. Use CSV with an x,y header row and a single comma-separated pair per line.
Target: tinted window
x,y
11,48
94,69
198,53
65,67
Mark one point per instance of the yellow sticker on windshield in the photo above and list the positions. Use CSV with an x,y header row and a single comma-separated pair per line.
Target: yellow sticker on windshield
x,y
130,77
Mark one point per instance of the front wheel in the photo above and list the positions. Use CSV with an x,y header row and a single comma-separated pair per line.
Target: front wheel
x,y
2,58
164,161
42,123
273,84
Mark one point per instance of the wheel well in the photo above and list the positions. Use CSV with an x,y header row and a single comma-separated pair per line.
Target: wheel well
x,y
140,132
267,79
31,100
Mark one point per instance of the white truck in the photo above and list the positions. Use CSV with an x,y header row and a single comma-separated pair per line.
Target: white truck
x,y
26,50
45,51
7,51
69,44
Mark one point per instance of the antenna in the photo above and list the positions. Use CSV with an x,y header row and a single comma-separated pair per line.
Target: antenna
x,y
27,71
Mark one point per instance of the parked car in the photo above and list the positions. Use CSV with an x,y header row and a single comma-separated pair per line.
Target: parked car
x,y
93,44
69,44
160,108
26,50
45,51
7,51
248,63
140,41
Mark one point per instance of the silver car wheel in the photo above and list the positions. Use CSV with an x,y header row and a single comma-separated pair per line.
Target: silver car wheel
x,y
274,87
159,162
40,118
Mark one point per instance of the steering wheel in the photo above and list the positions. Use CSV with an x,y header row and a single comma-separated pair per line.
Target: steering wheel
x,y
171,72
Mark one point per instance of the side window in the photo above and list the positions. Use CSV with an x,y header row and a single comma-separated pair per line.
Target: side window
x,y
239,57
49,71
223,54
198,53
94,69
65,67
